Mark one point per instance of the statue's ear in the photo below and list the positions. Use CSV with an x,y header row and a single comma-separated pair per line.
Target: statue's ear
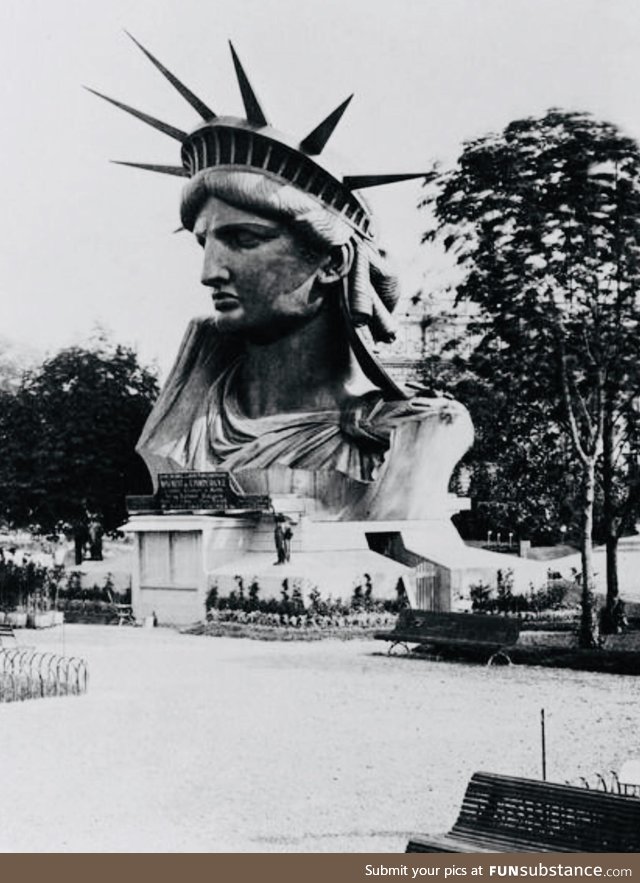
x,y
337,264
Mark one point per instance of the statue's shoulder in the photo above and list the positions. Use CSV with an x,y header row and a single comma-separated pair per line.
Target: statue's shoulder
x,y
372,417
426,403
421,403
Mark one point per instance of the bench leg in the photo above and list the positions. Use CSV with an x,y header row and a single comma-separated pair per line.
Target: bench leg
x,y
499,658
391,650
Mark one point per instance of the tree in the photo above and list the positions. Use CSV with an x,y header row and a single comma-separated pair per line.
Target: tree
x,y
544,220
519,472
18,427
68,442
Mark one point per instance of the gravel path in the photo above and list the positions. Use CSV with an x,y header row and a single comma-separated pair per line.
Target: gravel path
x,y
194,744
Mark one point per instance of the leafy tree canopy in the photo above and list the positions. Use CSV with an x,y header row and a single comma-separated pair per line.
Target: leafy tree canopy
x,y
545,219
68,436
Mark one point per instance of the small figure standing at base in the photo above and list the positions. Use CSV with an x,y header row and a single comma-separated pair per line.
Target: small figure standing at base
x,y
280,539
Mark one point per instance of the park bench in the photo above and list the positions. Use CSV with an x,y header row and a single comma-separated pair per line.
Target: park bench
x,y
124,612
476,633
505,814
7,635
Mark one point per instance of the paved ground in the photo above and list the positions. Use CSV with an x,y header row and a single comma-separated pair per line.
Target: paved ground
x,y
195,744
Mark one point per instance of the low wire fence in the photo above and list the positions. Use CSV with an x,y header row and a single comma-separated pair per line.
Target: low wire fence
x,y
30,674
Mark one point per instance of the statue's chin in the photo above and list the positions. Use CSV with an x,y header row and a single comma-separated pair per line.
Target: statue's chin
x,y
260,333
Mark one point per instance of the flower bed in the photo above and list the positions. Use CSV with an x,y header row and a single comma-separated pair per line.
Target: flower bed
x,y
292,616
306,626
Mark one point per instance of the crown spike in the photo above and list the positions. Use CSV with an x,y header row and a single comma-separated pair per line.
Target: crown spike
x,y
252,107
149,167
315,141
199,106
359,182
150,121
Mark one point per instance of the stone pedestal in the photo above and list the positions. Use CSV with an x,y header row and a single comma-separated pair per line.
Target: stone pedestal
x,y
173,556
180,557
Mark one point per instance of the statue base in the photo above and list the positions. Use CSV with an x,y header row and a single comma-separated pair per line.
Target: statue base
x,y
181,557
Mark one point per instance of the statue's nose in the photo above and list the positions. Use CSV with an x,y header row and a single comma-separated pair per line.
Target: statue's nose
x,y
214,267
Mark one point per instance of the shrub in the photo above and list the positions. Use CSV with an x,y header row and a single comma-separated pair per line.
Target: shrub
x,y
73,591
554,596
212,598
290,607
357,599
480,594
254,590
28,585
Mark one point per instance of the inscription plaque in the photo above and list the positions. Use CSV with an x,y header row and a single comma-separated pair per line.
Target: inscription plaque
x,y
208,491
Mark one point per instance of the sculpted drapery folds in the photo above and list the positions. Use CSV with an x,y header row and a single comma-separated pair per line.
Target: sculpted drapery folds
x,y
281,384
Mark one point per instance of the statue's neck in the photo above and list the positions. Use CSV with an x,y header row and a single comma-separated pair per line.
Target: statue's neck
x,y
305,370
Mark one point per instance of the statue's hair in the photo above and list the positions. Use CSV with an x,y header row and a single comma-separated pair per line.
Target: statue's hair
x,y
275,199
373,287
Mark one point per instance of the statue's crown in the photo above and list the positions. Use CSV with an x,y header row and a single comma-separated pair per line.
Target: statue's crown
x,y
252,144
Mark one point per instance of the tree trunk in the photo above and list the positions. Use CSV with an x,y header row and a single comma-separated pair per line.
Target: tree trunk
x,y
611,526
608,622
588,623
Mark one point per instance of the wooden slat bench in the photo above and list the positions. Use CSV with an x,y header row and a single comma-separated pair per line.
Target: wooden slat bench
x,y
504,814
477,633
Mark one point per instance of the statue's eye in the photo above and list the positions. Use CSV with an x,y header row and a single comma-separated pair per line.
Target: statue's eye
x,y
246,240
242,238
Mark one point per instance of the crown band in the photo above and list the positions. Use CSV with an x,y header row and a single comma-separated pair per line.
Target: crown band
x,y
220,146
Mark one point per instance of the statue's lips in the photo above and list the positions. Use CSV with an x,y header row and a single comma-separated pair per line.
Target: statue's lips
x,y
223,300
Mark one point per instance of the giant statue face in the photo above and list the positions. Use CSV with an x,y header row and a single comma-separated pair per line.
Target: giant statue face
x,y
262,276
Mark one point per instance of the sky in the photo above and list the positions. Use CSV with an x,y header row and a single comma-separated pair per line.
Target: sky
x,y
86,244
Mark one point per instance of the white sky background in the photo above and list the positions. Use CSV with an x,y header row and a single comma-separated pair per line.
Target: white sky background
x,y
85,242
